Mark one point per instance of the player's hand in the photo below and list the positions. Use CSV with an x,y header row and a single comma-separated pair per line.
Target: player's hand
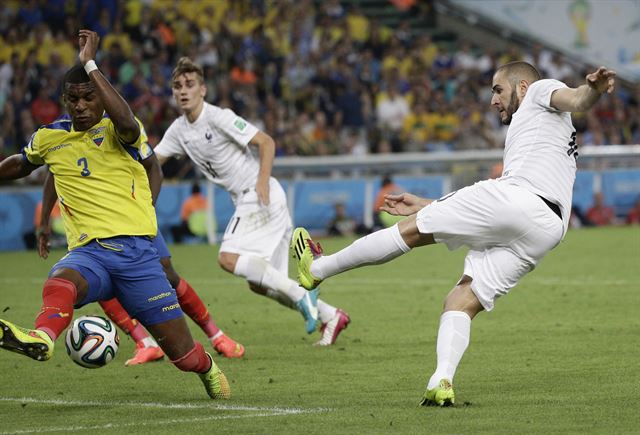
x,y
262,189
403,204
88,43
602,80
43,244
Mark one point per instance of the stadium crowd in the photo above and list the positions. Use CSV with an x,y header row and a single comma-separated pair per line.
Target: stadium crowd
x,y
321,78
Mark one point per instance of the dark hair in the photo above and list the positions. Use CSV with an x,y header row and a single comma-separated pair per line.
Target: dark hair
x,y
195,188
516,71
186,65
75,76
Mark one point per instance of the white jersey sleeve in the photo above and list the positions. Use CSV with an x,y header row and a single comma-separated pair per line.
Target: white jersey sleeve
x,y
170,145
233,126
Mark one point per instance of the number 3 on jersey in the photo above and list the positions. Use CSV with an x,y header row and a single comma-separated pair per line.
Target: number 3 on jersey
x,y
85,166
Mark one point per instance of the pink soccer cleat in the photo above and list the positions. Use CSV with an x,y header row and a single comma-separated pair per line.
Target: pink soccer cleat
x,y
331,329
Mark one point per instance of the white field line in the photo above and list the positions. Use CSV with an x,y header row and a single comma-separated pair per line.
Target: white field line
x,y
253,413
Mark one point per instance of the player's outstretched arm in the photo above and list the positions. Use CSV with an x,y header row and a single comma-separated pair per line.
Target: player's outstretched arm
x,y
15,167
404,204
582,98
117,108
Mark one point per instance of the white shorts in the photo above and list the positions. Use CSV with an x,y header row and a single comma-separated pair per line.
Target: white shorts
x,y
261,231
507,228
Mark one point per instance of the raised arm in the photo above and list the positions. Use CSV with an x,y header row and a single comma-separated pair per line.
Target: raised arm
x,y
266,150
14,167
582,98
119,111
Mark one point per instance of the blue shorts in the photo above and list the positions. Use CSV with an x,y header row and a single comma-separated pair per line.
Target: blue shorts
x,y
128,268
161,246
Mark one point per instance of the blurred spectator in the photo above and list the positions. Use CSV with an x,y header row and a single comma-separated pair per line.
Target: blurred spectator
x,y
341,224
382,219
193,217
44,109
599,213
633,217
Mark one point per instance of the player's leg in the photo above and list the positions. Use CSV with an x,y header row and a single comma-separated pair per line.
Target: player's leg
x,y
460,307
376,248
144,291
147,349
195,308
332,320
259,273
74,280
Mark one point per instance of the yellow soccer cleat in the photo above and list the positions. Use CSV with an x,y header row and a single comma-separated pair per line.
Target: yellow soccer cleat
x,y
33,343
442,395
215,382
304,250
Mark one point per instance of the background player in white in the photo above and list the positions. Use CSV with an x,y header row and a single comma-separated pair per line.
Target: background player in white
x,y
509,223
255,243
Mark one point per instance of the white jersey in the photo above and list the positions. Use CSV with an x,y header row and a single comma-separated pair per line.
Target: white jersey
x,y
217,143
540,150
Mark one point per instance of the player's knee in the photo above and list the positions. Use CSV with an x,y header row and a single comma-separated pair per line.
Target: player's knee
x,y
227,261
196,360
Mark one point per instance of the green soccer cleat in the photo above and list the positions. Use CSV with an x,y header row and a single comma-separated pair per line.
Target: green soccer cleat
x,y
442,395
33,343
304,250
215,382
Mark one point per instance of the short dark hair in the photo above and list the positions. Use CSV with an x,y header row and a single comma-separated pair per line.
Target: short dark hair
x,y
519,70
186,65
195,188
75,76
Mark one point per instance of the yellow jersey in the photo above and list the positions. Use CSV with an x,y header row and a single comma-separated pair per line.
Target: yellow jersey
x,y
103,189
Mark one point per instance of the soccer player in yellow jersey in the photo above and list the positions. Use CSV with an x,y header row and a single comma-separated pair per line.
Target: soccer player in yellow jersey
x,y
147,349
110,222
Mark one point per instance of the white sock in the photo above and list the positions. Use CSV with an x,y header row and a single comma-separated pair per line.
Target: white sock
x,y
257,271
376,248
281,298
453,339
325,311
217,334
149,342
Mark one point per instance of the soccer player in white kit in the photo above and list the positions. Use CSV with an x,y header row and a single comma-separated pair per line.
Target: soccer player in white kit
x,y
509,223
234,154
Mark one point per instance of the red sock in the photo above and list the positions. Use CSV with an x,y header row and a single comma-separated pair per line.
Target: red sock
x,y
193,306
120,317
58,297
196,360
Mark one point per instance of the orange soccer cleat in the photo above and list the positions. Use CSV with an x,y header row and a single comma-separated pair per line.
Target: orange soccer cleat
x,y
228,348
143,355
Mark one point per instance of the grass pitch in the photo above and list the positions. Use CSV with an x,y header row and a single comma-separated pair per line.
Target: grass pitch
x,y
558,355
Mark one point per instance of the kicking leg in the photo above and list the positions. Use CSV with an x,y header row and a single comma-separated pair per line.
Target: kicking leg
x,y
375,248
61,291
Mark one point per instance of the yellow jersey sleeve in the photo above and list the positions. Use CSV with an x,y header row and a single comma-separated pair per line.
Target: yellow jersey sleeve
x,y
31,151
